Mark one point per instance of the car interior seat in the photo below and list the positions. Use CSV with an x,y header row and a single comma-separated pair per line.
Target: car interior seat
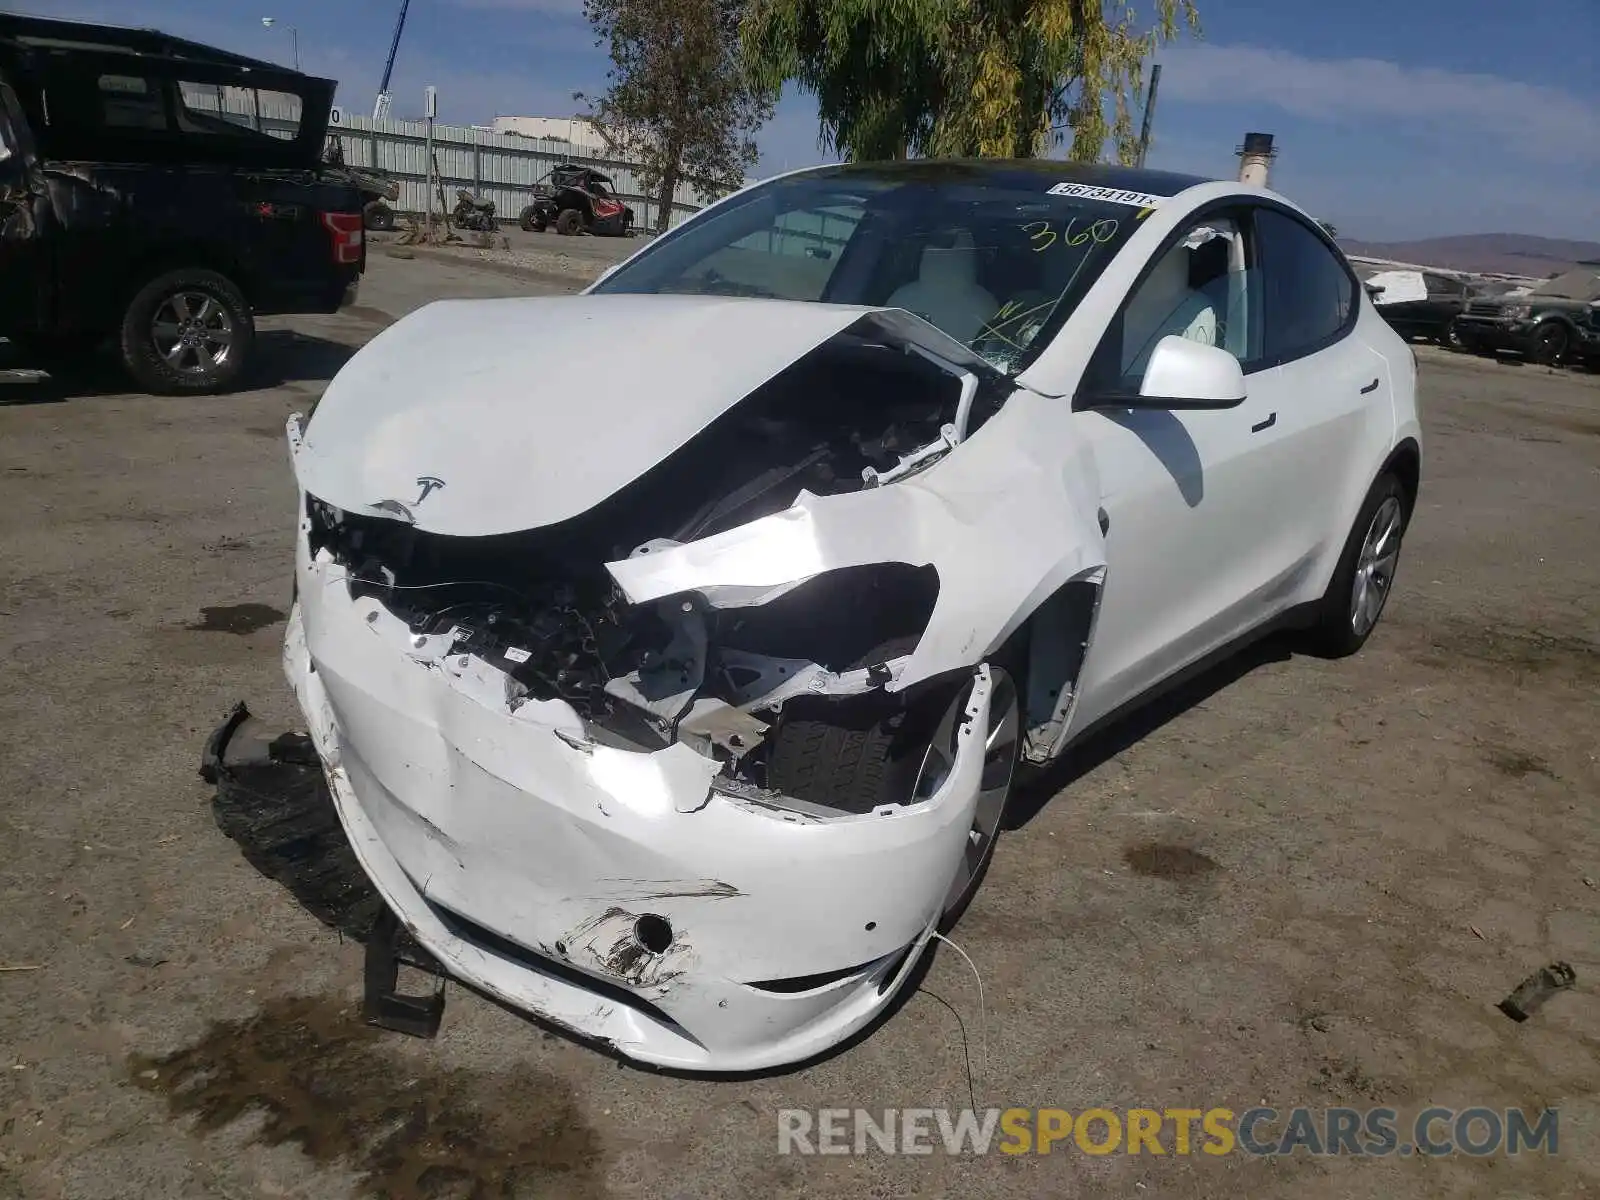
x,y
946,290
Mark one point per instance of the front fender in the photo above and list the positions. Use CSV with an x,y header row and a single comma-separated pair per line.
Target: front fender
x,y
1004,519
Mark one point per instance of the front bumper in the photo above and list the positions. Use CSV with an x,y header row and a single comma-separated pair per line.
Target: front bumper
x,y
1493,333
615,893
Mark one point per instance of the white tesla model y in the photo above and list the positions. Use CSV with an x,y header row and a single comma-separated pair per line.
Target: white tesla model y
x,y
671,649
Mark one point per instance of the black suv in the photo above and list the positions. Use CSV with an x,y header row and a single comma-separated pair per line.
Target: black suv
x,y
161,194
1558,320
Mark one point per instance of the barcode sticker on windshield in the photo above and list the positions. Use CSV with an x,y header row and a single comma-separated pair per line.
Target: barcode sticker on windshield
x,y
1086,191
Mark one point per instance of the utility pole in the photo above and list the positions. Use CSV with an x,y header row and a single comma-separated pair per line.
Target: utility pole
x,y
1149,113
294,37
431,110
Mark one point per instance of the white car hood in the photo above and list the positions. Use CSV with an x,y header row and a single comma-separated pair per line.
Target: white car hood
x,y
479,417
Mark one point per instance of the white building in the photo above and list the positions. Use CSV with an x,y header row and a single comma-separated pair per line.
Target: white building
x,y
578,131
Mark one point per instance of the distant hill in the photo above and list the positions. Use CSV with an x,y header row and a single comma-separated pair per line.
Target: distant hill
x,y
1501,253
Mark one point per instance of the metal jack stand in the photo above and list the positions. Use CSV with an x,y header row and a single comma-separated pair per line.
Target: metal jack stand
x,y
382,1005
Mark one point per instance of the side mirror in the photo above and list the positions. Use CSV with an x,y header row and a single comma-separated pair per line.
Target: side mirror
x,y
1186,374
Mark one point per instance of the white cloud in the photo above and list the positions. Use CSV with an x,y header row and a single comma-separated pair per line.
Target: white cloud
x,y
1526,119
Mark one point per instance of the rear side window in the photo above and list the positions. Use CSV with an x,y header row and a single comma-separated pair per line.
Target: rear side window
x,y
1309,295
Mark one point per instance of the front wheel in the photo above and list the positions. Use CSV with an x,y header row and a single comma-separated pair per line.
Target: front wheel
x,y
378,216
569,222
529,220
1360,587
1452,337
1549,343
187,332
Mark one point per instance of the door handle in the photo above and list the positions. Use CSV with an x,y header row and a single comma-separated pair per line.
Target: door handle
x,y
1272,419
1371,387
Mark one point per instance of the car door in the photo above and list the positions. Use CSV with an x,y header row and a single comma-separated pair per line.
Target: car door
x,y
1332,413
1181,511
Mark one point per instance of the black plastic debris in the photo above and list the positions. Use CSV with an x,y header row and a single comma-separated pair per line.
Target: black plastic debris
x,y
1533,991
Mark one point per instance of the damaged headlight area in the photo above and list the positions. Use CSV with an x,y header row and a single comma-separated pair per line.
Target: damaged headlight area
x,y
737,674
752,686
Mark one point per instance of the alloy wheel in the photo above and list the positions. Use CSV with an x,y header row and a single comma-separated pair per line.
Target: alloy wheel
x,y
192,332
1380,554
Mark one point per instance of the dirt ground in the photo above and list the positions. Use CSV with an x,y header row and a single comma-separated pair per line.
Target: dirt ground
x,y
1294,883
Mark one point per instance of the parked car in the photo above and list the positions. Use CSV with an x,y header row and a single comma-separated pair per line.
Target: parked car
x,y
1555,321
160,194
577,199
685,714
1420,304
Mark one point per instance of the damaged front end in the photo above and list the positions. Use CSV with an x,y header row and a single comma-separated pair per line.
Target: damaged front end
x,y
690,769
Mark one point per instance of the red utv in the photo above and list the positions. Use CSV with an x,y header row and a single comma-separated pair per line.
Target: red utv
x,y
577,199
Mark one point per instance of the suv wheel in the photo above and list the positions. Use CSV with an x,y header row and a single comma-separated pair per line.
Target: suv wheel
x,y
378,216
530,219
187,332
1549,343
1360,585
570,221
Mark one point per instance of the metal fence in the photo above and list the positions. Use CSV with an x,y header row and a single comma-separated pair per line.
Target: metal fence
x,y
498,167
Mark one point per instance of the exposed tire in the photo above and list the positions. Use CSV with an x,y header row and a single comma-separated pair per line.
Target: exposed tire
x,y
1359,589
188,332
378,217
529,220
1549,343
569,222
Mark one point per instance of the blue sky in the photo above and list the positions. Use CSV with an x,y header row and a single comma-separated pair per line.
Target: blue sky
x,y
1395,118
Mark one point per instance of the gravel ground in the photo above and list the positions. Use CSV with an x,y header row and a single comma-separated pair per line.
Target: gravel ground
x,y
1294,882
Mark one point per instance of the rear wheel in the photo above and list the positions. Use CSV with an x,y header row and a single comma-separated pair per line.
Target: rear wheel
x,y
1549,343
378,216
1452,337
187,332
569,222
1361,582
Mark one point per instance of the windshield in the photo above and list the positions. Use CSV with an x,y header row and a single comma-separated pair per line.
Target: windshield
x,y
993,258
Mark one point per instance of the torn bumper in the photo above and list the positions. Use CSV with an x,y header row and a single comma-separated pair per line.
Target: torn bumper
x,y
617,893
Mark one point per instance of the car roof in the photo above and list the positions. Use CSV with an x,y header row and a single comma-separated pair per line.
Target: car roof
x,y
49,34
1017,172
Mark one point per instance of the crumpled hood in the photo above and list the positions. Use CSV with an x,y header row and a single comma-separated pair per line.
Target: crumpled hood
x,y
478,417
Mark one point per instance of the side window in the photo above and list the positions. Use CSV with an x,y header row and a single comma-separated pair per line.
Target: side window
x,y
794,257
224,110
1204,288
131,102
1309,296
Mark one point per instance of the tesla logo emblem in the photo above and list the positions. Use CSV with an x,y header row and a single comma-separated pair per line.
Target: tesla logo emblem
x,y
429,484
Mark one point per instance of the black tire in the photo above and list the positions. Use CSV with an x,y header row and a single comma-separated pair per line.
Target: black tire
x,y
189,374
569,222
378,217
1335,633
529,219
1452,337
1549,343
